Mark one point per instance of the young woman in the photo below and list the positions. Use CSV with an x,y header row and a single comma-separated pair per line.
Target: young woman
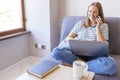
x,y
93,28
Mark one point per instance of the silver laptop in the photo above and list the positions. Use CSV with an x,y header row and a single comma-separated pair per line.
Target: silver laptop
x,y
89,48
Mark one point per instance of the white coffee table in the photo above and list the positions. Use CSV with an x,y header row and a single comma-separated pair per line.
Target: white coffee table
x,y
61,73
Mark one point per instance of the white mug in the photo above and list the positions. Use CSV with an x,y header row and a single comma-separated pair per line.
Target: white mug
x,y
79,68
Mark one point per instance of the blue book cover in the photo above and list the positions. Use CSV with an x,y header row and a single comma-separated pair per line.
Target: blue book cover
x,y
43,68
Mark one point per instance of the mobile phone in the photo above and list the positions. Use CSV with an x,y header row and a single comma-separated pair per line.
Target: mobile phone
x,y
96,19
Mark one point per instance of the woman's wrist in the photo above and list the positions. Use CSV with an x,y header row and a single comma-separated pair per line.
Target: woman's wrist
x,y
68,38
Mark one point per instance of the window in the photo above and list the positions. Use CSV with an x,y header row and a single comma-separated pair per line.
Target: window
x,y
11,16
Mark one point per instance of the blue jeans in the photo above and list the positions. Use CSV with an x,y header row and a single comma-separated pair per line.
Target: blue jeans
x,y
100,65
64,55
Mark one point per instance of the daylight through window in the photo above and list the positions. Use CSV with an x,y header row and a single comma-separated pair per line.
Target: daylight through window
x,y
11,16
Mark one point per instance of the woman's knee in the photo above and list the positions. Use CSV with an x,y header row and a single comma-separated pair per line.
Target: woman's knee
x,y
55,52
103,65
59,53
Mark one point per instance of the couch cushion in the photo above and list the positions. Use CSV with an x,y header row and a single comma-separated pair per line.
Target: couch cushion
x,y
114,34
114,30
67,24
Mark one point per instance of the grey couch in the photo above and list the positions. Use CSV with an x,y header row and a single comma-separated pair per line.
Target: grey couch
x,y
114,40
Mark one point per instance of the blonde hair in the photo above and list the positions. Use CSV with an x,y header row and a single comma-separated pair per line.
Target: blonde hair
x,y
100,10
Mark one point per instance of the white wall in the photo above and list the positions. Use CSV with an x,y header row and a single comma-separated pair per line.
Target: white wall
x,y
38,22
43,22
79,7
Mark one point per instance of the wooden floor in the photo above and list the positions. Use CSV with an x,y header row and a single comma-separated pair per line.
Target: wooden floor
x,y
12,72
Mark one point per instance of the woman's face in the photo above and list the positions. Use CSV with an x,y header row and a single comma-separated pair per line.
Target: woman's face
x,y
93,13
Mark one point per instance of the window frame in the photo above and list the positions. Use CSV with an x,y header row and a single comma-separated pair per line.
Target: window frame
x,y
5,33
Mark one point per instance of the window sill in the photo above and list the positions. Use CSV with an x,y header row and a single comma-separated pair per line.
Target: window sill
x,y
14,35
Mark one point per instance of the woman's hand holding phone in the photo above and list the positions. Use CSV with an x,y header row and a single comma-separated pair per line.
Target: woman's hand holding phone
x,y
99,34
99,21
